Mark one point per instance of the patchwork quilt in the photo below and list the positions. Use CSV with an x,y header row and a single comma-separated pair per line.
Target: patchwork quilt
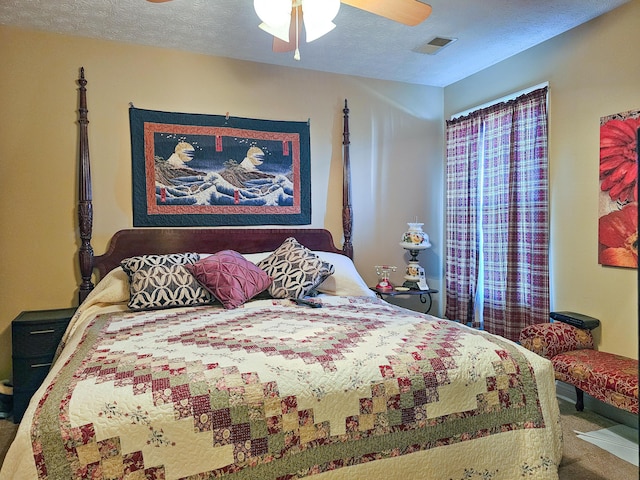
x,y
275,390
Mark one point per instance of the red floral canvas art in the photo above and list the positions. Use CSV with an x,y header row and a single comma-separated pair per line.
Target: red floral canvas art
x,y
618,215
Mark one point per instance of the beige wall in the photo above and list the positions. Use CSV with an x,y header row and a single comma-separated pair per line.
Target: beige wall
x,y
593,71
396,152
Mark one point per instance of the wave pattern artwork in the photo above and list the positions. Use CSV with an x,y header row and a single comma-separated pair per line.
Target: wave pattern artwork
x,y
188,170
211,181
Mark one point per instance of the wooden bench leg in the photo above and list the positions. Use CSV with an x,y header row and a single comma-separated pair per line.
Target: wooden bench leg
x,y
579,399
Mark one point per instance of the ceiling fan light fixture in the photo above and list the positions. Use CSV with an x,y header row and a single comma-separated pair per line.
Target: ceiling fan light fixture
x,y
280,31
273,13
314,30
318,17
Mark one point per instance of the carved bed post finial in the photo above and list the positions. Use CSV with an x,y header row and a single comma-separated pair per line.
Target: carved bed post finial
x,y
347,219
85,206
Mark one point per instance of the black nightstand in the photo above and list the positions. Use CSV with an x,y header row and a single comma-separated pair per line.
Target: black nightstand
x,y
35,338
425,295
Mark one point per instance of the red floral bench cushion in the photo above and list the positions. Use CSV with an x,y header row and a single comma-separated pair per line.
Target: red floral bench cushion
x,y
610,378
550,339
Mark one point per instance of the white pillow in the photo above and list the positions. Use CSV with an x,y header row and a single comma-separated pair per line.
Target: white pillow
x,y
256,257
345,281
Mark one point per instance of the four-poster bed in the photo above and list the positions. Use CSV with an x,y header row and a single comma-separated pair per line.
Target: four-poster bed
x,y
195,379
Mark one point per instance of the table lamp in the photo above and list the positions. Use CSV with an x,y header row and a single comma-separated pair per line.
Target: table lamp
x,y
414,240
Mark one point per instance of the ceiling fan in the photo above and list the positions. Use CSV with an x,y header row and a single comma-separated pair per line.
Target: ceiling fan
x,y
286,28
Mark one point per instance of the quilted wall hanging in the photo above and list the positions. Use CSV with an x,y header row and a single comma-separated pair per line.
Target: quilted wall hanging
x,y
211,170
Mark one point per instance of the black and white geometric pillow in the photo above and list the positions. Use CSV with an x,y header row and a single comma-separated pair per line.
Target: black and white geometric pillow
x,y
294,269
162,281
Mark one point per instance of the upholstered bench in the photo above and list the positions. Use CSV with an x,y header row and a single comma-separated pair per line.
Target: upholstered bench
x,y
609,378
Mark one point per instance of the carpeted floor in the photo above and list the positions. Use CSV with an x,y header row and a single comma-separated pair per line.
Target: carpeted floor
x,y
7,432
581,460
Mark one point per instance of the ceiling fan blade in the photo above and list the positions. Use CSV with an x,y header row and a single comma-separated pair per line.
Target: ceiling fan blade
x,y
280,45
158,1
408,12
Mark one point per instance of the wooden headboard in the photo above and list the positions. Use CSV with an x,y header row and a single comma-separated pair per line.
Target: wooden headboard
x,y
138,241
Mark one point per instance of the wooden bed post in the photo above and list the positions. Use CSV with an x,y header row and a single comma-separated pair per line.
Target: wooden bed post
x,y
347,219
85,206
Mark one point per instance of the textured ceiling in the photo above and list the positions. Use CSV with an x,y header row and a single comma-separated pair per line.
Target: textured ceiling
x,y
362,44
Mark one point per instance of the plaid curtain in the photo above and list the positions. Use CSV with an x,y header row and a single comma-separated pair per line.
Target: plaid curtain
x,y
462,195
514,224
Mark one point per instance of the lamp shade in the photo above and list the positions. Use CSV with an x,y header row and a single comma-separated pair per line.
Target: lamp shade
x,y
318,17
280,31
275,16
415,238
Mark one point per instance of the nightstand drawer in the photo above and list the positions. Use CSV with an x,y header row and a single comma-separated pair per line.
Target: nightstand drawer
x,y
35,339
28,373
38,333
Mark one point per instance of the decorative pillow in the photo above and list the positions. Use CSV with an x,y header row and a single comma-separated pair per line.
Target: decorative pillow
x,y
294,269
162,281
230,277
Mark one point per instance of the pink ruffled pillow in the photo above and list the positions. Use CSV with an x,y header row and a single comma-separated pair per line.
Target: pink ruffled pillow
x,y
230,277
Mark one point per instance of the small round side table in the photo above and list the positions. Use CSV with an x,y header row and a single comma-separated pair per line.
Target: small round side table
x,y
425,295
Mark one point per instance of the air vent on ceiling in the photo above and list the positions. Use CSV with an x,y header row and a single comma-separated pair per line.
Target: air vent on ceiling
x,y
434,45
